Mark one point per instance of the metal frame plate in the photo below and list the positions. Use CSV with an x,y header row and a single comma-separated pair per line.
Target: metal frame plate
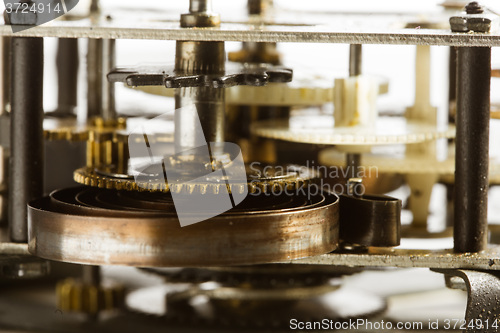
x,y
404,258
381,29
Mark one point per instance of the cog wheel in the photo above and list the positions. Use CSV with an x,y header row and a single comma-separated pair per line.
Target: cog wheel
x,y
234,74
319,129
401,164
98,129
269,179
262,276
309,87
74,296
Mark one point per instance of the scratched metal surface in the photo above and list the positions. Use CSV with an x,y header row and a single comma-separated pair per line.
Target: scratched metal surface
x,y
406,258
286,26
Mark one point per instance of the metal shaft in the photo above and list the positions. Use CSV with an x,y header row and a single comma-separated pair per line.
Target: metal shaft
x,y
209,109
5,107
100,61
200,6
472,140
94,6
199,57
353,160
91,276
258,7
67,74
26,164
452,92
5,90
355,59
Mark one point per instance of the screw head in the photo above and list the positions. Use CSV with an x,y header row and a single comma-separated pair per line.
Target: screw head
x,y
474,8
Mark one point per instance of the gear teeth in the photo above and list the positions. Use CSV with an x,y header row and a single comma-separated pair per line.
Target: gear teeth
x,y
416,132
98,130
203,189
74,296
88,176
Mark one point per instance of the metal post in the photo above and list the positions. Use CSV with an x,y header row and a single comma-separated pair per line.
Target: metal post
x,y
94,6
26,164
472,140
353,160
209,109
452,90
101,92
5,107
200,6
67,75
355,57
5,90
196,58
91,276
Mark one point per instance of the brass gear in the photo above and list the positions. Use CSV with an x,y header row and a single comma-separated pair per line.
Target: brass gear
x,y
97,129
276,179
75,296
319,130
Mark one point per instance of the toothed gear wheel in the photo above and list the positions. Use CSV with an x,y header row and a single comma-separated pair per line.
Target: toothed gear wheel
x,y
74,296
319,129
262,276
67,129
273,179
234,74
307,88
402,164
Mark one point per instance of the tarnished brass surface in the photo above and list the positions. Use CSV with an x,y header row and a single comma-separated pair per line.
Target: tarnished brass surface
x,y
127,228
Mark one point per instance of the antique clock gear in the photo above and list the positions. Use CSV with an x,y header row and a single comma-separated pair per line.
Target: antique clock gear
x,y
298,243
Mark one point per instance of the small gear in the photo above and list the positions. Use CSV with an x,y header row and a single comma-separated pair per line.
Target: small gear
x,y
273,179
98,130
74,296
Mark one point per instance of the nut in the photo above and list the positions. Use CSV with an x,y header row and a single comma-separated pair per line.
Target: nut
x,y
459,24
479,24
200,20
474,23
